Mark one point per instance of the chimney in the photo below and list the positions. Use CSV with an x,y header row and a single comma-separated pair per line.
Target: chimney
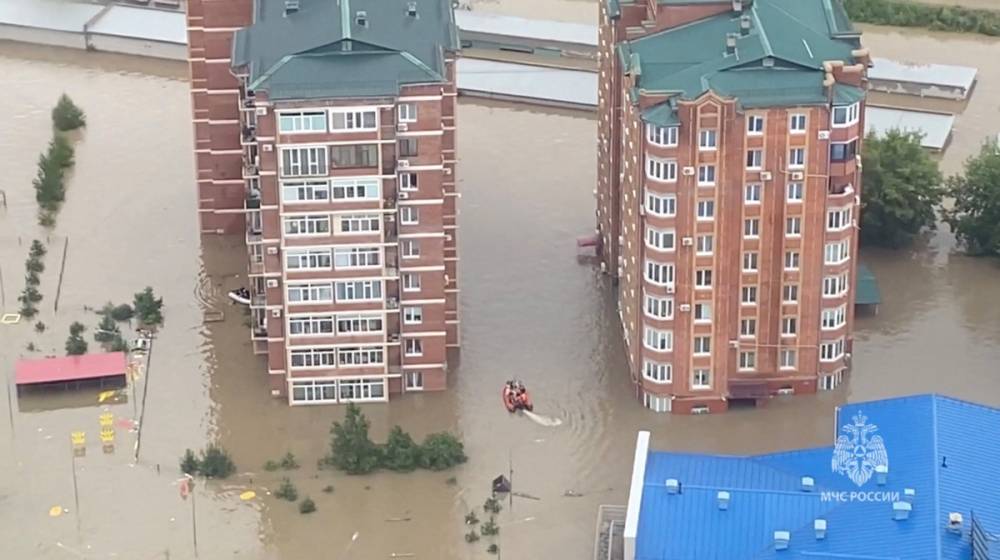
x,y
731,43
723,498
881,474
411,9
781,539
737,6
673,486
901,510
745,25
955,523
909,495
808,484
361,18
291,6
819,526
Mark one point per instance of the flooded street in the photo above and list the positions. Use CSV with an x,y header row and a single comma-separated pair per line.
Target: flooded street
x,y
529,310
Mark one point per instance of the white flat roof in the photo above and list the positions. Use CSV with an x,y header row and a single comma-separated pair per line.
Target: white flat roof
x,y
540,29
938,74
56,15
935,127
507,79
142,23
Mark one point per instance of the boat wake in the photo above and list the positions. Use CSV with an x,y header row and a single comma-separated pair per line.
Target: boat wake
x,y
542,419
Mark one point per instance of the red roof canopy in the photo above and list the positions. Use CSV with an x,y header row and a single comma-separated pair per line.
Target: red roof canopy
x,y
70,368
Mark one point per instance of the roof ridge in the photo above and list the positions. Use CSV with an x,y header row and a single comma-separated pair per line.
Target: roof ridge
x,y
937,472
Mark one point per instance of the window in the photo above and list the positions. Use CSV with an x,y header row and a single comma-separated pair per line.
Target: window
x,y
661,135
311,259
751,194
751,227
659,273
357,257
796,158
307,293
413,347
310,325
411,282
407,147
846,115
838,219
407,181
353,120
750,261
701,379
355,189
661,204
835,286
661,240
407,112
297,162
791,260
755,159
703,278
348,324
793,226
306,121
359,290
360,223
830,351
305,191
358,357
413,315
797,124
834,318
786,359
313,358
706,209
662,341
659,307
357,155
794,191
789,326
409,215
657,372
843,151
704,244
362,389
707,140
314,391
755,125
790,293
706,174
702,345
410,248
703,312
307,225
661,169
414,380
656,403
748,327
836,253
748,360
748,295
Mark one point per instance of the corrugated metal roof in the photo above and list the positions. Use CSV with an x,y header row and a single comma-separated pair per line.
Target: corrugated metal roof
x,y
538,29
48,14
935,127
946,450
69,368
930,74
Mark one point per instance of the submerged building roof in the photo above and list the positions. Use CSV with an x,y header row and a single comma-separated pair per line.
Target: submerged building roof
x,y
775,61
940,455
345,48
69,368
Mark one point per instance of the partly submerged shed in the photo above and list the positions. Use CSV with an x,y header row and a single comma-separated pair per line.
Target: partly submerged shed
x,y
71,372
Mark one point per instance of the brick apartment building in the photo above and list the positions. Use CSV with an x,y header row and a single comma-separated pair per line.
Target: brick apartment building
x,y
325,134
728,186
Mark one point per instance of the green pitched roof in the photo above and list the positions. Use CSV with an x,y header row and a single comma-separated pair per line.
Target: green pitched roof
x,y
779,61
322,51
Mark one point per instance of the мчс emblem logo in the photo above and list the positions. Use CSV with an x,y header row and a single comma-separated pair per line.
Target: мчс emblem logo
x,y
858,452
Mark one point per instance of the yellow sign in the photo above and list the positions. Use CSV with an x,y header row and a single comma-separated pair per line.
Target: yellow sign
x,y
107,434
79,439
107,418
106,395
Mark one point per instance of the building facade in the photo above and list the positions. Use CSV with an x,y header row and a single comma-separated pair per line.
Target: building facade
x,y
345,138
728,186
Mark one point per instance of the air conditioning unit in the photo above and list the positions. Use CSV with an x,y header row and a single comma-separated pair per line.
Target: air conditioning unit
x,y
687,241
404,195
394,337
267,147
447,171
402,127
824,135
392,303
261,111
403,164
786,391
765,175
670,288
272,250
272,282
390,218
642,209
275,313
798,176
687,171
699,410
447,237
685,307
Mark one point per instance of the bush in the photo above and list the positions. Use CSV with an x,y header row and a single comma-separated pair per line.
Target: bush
x,y
472,536
271,466
490,528
77,328
31,347
75,344
328,489
37,249
189,463
34,265
288,462
28,310
492,505
287,490
46,219
914,14
118,344
39,327
148,307
401,454
351,450
61,152
66,115
32,279
494,548
30,294
975,217
441,451
216,463
471,518
107,330
122,312
307,505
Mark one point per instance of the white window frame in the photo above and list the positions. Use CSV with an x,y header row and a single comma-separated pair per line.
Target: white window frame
x,y
308,259
706,175
708,140
787,358
748,327
368,290
755,159
664,240
755,125
831,351
355,323
408,182
360,357
664,205
701,379
796,158
838,219
309,293
833,318
305,192
702,312
664,136
852,113
413,347
790,326
705,210
790,293
304,161
657,372
409,215
794,192
657,307
349,189
357,257
413,315
411,282
407,112
749,291
793,226
752,194
704,244
659,169
836,252
703,279
359,224
409,249
751,228
793,260
751,261
312,358
312,325
300,120
352,116
307,226
835,286
413,380
701,345
661,274
658,340
747,360
797,123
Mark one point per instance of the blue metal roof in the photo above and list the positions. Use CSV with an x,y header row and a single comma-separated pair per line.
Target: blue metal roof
x,y
947,451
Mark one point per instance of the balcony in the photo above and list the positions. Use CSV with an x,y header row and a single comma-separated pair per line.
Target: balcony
x,y
258,300
248,102
249,134
252,201
250,171
258,332
254,235
256,266
392,303
391,272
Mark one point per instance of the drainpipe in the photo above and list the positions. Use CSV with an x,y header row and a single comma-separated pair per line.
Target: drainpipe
x,y
91,22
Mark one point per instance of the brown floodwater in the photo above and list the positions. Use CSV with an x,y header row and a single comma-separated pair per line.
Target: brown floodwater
x,y
529,308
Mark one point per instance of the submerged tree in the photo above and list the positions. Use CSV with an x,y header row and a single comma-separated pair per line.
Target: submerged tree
x,y
148,307
975,216
66,115
401,453
351,450
75,344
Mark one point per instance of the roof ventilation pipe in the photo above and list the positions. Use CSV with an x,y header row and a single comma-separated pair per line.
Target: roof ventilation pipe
x,y
731,43
955,523
901,510
291,6
808,484
737,6
723,498
781,539
745,25
909,495
411,9
673,486
819,526
361,18
881,474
